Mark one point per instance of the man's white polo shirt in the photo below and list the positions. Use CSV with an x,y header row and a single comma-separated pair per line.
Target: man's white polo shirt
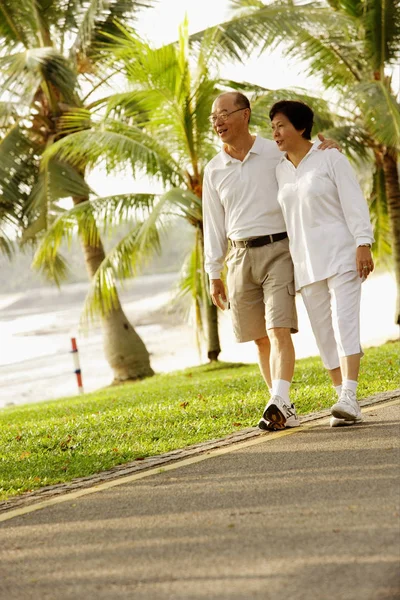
x,y
240,200
325,212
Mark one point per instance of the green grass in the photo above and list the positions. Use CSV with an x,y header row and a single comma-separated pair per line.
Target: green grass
x,y
53,442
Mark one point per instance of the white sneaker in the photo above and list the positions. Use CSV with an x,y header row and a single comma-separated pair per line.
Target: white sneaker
x,y
280,414
334,422
347,407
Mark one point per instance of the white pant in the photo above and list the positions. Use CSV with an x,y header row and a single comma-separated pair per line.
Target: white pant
x,y
333,307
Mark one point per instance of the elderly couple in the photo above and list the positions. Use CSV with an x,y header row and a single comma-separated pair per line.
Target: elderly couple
x,y
294,219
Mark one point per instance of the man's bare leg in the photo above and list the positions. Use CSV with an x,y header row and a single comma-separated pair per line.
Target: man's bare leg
x,y
264,350
282,354
279,411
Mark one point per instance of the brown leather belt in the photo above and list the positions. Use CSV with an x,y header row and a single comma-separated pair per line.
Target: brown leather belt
x,y
260,241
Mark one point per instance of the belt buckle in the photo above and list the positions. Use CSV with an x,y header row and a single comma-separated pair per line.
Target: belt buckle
x,y
246,243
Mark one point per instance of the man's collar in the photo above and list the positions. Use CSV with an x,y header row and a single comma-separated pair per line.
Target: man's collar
x,y
255,149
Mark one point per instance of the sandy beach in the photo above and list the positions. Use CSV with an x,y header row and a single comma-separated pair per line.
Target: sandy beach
x,y
36,327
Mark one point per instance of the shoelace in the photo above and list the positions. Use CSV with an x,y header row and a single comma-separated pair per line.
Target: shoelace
x,y
290,411
348,397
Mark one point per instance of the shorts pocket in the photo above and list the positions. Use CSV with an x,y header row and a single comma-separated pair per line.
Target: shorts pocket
x,y
291,290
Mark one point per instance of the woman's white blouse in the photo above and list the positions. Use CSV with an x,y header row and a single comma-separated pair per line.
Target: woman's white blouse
x,y
325,212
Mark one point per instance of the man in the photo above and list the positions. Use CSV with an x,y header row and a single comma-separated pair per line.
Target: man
x,y
240,204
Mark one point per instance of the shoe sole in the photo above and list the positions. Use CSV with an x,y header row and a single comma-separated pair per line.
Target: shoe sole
x,y
275,415
342,414
268,426
335,422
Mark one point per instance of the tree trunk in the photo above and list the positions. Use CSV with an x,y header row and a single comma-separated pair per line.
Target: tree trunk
x,y
124,349
213,345
393,201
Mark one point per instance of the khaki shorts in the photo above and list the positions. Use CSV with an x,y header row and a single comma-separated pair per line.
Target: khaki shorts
x,y
261,290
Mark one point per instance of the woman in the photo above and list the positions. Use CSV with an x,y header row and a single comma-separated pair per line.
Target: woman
x,y
330,237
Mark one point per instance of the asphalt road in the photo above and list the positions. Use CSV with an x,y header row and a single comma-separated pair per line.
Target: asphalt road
x,y
312,515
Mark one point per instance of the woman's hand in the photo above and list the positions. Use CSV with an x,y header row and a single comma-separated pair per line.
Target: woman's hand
x,y
364,262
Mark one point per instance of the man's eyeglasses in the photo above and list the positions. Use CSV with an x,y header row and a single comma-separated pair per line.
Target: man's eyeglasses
x,y
223,116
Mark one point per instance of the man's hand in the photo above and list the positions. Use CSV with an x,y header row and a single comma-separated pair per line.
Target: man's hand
x,y
217,292
364,262
327,144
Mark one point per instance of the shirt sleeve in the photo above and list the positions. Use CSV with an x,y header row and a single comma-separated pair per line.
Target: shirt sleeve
x,y
354,205
215,239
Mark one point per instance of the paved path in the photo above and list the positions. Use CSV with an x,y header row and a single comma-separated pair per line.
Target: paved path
x,y
309,515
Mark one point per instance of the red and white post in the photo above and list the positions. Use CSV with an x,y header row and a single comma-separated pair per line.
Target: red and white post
x,y
75,356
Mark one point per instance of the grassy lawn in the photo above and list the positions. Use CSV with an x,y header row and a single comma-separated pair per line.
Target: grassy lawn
x,y
53,442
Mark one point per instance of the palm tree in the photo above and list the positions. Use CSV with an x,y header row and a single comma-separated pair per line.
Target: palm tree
x,y
47,54
352,45
160,126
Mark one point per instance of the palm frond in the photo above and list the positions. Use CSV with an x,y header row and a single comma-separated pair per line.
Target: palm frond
x,y
116,143
18,171
123,261
100,21
257,26
25,71
17,24
89,20
379,216
134,250
54,269
8,229
8,114
59,180
354,141
380,112
381,22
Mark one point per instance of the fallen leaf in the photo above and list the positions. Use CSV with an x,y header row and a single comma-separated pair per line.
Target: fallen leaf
x,y
24,455
184,404
237,424
64,443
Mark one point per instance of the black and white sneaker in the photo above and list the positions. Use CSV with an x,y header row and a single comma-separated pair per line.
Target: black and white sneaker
x,y
278,415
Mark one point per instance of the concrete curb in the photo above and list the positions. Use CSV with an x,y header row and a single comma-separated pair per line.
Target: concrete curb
x,y
164,459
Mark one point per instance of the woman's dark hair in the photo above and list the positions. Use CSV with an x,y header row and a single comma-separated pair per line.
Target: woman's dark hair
x,y
299,114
